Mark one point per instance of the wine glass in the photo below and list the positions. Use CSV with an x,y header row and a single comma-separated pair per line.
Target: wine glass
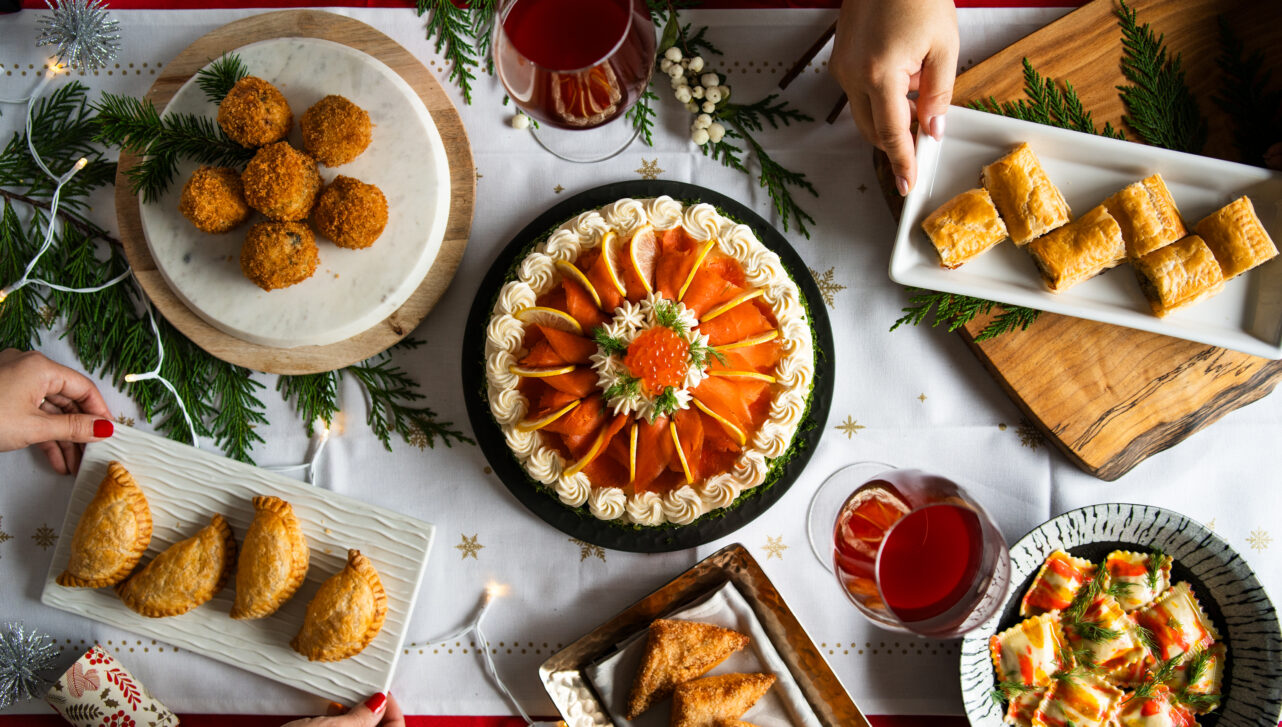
x,y
575,66
911,550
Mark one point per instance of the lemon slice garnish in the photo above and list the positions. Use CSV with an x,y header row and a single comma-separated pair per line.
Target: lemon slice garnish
x,y
755,340
698,260
592,453
643,251
731,305
610,251
729,426
534,373
533,425
632,453
550,317
573,273
685,466
733,374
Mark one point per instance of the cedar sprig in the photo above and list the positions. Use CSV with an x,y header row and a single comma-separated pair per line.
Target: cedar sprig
x,y
218,78
392,395
642,114
455,31
1160,106
768,110
1047,104
315,397
954,311
1244,96
697,42
484,13
726,151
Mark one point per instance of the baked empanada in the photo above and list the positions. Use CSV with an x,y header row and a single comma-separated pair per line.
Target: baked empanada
x,y
964,227
1181,273
113,533
1029,203
676,652
1147,215
1079,250
710,701
1236,237
187,574
346,613
273,560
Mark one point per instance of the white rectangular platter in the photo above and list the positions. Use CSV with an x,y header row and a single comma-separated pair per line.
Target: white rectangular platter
x,y
184,487
1246,316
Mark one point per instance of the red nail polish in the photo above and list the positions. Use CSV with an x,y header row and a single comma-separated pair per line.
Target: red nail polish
x,y
376,702
102,428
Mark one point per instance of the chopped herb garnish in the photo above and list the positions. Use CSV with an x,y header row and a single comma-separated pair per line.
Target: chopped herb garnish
x,y
667,402
701,353
607,343
1156,560
667,315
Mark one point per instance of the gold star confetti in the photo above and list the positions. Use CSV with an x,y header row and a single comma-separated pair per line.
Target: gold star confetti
x,y
558,189
649,169
850,427
1259,540
922,398
478,175
588,550
1001,427
775,547
1029,435
45,536
124,421
469,547
828,287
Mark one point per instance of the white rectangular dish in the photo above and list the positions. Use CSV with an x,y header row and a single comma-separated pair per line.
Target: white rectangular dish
x,y
184,487
1246,316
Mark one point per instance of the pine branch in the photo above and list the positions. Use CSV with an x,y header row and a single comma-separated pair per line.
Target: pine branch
x,y
1160,106
82,225
1047,104
391,395
955,311
234,427
642,114
20,311
315,397
453,29
750,116
1251,108
484,14
218,78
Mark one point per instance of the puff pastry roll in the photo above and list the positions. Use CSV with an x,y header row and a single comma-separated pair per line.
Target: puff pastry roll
x,y
113,533
346,613
1056,583
1030,652
1237,238
1159,709
964,227
1201,673
1105,635
1085,701
1178,623
187,574
1179,274
1079,250
1029,203
1147,575
273,560
1147,215
1022,705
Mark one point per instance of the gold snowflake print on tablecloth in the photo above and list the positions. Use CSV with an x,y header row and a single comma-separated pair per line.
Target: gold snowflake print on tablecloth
x,y
649,168
469,546
588,550
850,427
418,438
828,287
48,314
124,421
3,535
775,547
558,189
1259,540
1210,524
1029,435
44,536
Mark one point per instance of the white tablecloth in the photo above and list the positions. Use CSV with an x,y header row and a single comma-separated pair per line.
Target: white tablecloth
x,y
915,397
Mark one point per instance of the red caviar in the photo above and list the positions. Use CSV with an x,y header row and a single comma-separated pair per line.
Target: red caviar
x,y
659,357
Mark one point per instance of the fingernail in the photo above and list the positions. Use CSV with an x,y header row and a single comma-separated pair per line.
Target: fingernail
x,y
901,183
376,702
102,428
936,126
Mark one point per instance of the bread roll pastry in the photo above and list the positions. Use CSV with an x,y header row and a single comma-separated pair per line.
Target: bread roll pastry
x,y
1147,215
1029,203
1079,250
1181,273
1236,237
964,227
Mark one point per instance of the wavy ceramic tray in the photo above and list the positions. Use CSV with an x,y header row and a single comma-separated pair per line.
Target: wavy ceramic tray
x,y
184,487
1246,316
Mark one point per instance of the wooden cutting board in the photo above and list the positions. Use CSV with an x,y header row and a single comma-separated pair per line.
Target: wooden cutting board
x,y
1109,397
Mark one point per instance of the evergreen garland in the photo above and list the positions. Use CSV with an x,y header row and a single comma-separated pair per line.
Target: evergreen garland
x,y
1160,106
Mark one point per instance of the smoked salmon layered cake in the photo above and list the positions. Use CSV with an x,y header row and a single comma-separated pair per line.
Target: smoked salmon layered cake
x,y
649,361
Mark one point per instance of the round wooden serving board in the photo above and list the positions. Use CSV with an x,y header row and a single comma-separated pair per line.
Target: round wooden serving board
x,y
308,359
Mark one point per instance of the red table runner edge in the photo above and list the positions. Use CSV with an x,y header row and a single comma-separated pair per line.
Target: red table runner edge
x,y
706,4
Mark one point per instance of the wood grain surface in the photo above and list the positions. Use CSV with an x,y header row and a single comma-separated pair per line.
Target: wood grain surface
x,y
309,359
1109,397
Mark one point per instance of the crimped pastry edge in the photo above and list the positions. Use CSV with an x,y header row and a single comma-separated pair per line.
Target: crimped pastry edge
x,y
229,556
118,476
298,552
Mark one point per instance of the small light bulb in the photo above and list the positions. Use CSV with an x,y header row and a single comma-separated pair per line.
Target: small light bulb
x,y
131,378
82,163
495,590
4,293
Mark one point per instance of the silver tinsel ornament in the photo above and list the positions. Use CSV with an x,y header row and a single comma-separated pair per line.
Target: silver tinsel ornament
x,y
85,35
25,657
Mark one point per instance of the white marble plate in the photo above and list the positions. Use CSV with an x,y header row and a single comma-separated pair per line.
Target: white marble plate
x,y
352,290
184,487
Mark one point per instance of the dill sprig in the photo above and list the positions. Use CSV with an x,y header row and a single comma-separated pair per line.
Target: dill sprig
x,y
1047,104
954,311
455,31
628,388
1197,664
392,409
1086,595
1005,691
1160,106
666,403
667,315
1094,631
1145,637
702,355
1244,97
1153,568
218,78
1197,700
1161,674
607,343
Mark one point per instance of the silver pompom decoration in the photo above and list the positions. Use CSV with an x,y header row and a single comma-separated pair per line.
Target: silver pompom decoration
x,y
85,35
25,657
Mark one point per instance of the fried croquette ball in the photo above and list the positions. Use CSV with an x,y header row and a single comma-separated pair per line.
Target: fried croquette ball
x,y
281,182
254,113
214,200
350,212
335,130
279,254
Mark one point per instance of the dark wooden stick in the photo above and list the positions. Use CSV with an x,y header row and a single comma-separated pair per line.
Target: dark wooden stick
x,y
808,56
837,109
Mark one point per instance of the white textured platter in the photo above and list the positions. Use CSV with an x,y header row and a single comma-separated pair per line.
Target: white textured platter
x,y
184,487
352,290
1246,316
1225,586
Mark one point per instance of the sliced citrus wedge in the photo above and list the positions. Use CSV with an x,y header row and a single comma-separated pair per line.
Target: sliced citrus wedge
x,y
699,257
753,341
681,455
728,425
610,250
598,445
535,373
533,425
643,251
550,317
573,273
733,374
731,305
632,453
871,513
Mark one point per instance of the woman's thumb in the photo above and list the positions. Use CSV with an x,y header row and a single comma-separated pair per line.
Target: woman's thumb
x,y
367,714
82,428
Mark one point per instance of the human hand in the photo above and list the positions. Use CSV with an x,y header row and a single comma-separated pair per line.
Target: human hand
x,y
50,406
377,711
883,50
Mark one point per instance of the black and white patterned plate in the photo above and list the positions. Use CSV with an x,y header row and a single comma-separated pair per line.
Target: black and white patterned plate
x,y
1227,589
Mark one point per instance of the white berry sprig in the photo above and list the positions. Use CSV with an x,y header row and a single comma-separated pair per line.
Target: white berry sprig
x,y
703,97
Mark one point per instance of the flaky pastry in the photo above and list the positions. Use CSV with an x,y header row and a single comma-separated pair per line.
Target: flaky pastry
x,y
1147,215
1181,273
187,574
346,613
273,560
964,226
1030,204
1079,250
1236,237
113,533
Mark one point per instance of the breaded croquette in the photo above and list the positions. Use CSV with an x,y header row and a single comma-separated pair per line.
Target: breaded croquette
x,y
351,213
254,113
279,254
214,200
281,182
335,130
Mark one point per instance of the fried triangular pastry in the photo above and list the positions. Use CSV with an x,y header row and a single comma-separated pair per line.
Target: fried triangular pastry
x,y
346,613
185,575
273,560
711,701
113,533
676,652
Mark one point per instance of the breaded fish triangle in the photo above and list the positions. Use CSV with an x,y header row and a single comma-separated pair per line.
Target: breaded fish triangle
x,y
712,701
676,652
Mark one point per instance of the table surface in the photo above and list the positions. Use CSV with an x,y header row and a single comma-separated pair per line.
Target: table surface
x,y
913,397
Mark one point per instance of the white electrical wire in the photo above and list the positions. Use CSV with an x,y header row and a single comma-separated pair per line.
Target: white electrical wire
x,y
154,374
